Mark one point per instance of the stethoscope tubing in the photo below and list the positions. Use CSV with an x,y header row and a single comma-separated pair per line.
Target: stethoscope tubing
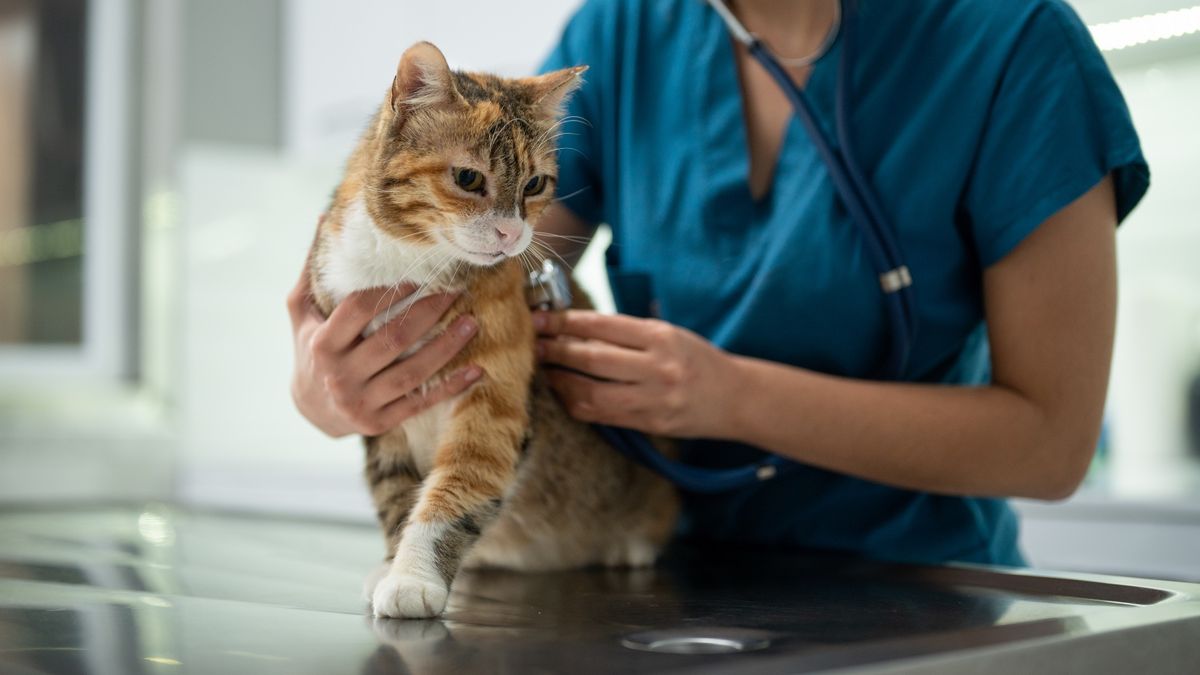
x,y
859,199
858,206
870,196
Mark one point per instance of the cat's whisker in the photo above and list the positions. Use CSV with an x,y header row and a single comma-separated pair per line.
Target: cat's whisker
x,y
568,237
560,134
557,125
523,260
581,153
535,259
428,279
555,254
545,141
549,136
457,268
496,134
579,243
394,290
568,196
433,274
535,255
575,118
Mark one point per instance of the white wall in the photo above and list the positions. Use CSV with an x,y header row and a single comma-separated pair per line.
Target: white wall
x,y
248,218
342,55
1158,328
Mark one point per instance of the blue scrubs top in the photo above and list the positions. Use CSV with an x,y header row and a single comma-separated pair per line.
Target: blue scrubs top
x,y
975,121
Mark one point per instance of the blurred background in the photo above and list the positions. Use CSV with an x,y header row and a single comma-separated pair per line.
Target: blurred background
x,y
162,167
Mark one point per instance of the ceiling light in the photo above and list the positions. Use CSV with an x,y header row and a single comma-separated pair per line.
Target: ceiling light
x,y
1139,30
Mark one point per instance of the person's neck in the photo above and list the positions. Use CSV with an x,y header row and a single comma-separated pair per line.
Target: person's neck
x,y
792,28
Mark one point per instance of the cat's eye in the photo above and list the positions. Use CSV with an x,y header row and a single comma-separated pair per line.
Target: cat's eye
x,y
535,185
469,179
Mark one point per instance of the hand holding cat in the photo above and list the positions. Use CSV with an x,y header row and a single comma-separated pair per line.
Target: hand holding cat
x,y
643,374
346,384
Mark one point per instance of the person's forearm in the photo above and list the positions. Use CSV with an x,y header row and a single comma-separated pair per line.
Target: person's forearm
x,y
987,440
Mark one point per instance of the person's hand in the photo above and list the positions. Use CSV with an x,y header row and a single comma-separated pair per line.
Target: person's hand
x,y
344,383
642,374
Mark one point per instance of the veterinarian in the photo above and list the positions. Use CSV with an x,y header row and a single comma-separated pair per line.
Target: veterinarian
x,y
1004,156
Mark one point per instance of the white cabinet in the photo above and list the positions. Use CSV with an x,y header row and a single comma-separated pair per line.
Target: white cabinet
x,y
1098,533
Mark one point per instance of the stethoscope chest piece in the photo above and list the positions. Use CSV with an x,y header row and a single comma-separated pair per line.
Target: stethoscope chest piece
x,y
548,288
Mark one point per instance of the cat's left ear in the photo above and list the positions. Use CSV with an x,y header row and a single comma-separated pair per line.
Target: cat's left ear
x,y
551,91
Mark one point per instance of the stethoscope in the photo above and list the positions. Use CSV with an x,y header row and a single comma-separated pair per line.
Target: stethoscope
x,y
863,207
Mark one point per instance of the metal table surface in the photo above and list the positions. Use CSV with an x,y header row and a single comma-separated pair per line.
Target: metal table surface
x,y
156,588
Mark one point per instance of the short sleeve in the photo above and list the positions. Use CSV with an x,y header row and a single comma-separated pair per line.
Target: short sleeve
x,y
1056,127
584,41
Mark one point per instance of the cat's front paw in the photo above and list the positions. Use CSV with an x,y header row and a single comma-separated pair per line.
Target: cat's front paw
x,y
404,596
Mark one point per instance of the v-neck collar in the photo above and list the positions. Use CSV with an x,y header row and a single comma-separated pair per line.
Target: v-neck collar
x,y
722,126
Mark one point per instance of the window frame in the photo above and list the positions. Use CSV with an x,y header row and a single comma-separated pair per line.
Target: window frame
x,y
107,351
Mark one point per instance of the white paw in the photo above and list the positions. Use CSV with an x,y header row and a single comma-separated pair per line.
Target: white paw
x,y
404,596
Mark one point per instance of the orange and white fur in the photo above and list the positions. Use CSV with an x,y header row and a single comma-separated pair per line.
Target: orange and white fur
x,y
443,192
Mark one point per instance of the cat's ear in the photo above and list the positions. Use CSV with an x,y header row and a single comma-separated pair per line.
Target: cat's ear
x,y
551,91
423,79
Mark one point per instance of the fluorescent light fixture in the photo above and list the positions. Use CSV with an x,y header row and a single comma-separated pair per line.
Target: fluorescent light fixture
x,y
1139,30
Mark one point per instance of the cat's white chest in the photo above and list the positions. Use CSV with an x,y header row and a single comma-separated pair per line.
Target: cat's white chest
x,y
363,256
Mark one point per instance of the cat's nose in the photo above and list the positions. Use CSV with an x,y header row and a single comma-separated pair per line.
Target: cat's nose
x,y
508,233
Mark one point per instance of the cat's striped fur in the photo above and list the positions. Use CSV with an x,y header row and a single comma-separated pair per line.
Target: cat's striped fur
x,y
500,475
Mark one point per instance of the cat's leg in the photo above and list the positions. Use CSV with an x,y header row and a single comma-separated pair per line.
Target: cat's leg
x,y
475,464
394,482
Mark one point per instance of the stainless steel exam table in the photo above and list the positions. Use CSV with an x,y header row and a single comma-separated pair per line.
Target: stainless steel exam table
x,y
152,588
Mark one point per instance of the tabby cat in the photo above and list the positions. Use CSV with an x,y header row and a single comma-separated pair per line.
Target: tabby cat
x,y
443,191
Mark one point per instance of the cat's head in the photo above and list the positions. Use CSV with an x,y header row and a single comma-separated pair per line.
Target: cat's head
x,y
466,161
